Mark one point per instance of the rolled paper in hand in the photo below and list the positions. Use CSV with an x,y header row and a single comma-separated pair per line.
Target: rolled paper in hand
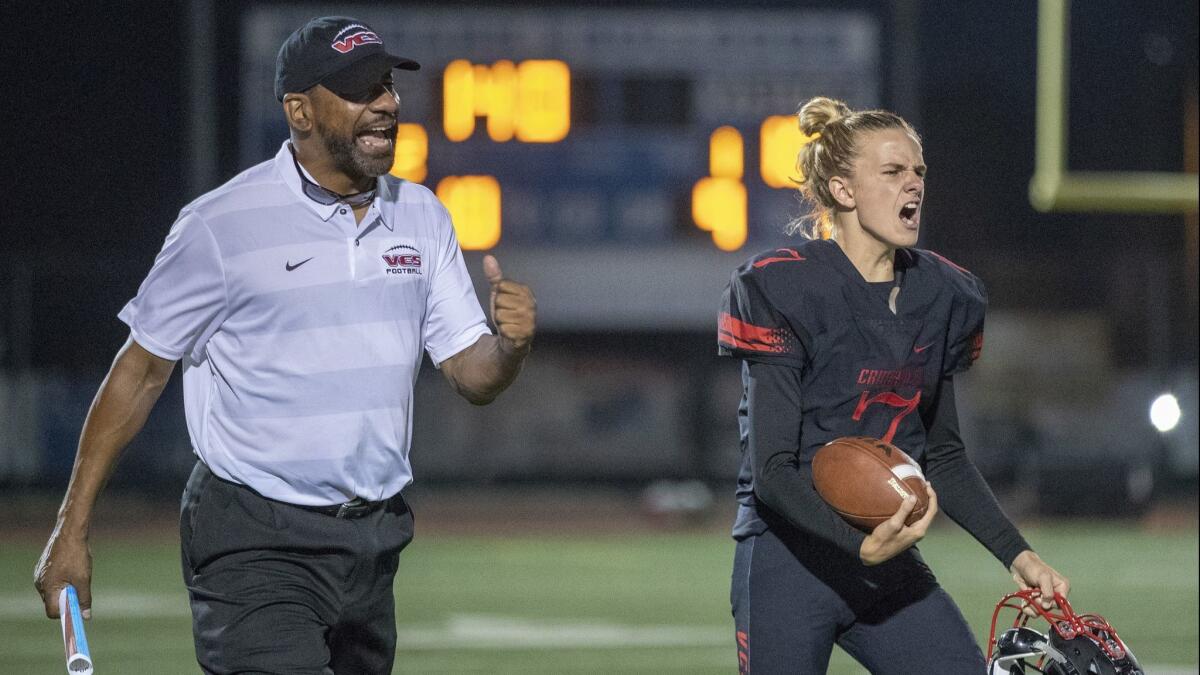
x,y
75,644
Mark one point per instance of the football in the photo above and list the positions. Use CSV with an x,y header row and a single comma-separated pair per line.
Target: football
x,y
865,480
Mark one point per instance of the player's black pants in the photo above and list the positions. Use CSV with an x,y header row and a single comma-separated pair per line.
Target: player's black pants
x,y
794,598
278,589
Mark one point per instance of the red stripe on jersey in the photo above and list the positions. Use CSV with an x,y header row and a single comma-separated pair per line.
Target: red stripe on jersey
x,y
949,262
744,335
748,331
790,255
727,340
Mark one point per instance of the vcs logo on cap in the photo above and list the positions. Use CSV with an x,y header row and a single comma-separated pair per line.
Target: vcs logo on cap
x,y
364,36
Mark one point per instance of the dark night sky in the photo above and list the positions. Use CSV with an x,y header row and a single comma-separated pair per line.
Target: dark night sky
x,y
96,134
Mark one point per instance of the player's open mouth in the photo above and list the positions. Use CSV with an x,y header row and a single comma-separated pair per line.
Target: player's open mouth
x,y
910,214
377,139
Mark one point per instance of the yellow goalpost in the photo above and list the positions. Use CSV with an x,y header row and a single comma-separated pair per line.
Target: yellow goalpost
x,y
1053,186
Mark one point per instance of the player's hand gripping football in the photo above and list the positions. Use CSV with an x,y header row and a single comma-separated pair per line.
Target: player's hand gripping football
x,y
892,536
66,560
1030,571
514,309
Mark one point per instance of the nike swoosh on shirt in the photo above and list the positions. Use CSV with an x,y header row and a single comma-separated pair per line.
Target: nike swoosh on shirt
x,y
289,266
918,350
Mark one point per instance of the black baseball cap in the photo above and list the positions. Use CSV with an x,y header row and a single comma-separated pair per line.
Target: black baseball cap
x,y
339,52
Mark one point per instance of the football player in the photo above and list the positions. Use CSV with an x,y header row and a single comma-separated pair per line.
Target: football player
x,y
855,332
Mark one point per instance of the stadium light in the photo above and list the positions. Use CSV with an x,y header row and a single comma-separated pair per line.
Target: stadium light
x,y
1165,412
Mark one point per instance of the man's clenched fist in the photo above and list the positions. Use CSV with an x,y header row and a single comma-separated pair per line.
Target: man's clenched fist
x,y
514,309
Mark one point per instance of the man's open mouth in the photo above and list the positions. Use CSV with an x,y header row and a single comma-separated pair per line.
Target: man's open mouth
x,y
377,138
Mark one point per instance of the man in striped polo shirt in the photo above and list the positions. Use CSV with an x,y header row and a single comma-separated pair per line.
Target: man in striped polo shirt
x,y
299,297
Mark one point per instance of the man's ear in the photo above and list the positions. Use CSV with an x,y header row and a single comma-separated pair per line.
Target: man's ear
x,y
298,110
841,191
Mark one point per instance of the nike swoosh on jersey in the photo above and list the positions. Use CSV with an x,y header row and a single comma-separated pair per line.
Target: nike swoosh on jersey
x,y
289,266
918,350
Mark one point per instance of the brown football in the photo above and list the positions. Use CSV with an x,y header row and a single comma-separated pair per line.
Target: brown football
x,y
865,480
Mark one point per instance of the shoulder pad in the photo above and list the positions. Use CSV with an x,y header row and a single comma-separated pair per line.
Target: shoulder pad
x,y
752,323
960,279
968,306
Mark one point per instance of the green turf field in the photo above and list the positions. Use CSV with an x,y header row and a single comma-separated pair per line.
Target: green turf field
x,y
646,603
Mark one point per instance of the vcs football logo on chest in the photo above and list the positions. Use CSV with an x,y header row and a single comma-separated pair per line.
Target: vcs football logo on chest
x,y
402,259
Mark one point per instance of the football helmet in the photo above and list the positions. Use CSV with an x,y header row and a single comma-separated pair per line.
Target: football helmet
x,y
1076,644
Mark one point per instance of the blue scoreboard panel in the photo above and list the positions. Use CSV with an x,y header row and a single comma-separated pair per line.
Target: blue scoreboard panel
x,y
667,134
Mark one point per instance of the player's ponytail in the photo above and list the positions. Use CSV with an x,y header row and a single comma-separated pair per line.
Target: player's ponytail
x,y
835,130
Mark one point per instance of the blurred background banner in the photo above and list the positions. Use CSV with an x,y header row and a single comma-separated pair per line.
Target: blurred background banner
x,y
623,159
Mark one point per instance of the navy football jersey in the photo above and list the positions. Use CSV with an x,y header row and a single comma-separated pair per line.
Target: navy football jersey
x,y
864,370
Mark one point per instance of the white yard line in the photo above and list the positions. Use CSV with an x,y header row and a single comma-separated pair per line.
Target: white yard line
x,y
461,631
114,605
472,631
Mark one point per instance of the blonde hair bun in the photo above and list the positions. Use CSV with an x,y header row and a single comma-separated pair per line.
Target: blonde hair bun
x,y
820,112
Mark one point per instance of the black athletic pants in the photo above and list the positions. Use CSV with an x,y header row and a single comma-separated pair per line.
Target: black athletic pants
x,y
794,598
278,589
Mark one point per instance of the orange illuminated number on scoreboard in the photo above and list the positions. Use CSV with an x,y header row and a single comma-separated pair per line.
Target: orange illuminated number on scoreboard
x,y
458,111
780,140
719,206
530,100
412,150
719,203
502,101
474,206
725,153
543,101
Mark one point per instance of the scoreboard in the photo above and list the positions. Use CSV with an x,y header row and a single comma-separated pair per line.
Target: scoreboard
x,y
665,133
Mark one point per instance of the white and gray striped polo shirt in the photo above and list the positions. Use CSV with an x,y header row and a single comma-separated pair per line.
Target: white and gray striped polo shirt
x,y
301,331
